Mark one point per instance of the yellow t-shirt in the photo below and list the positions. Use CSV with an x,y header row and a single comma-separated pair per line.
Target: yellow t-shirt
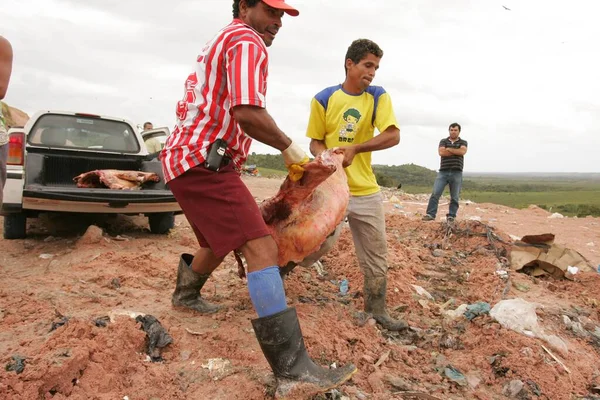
x,y
342,119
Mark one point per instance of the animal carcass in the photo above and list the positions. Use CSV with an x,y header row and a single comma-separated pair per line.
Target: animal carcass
x,y
114,179
305,217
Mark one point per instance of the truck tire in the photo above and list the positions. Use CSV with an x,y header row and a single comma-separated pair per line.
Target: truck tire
x,y
15,226
161,223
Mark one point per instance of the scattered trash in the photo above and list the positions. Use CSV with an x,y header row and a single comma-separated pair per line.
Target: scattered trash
x,y
475,218
503,274
112,315
538,255
158,337
422,292
17,364
383,358
399,383
218,367
46,256
521,287
534,387
513,388
438,253
455,375
191,332
394,199
519,315
571,272
556,215
115,283
102,322
56,324
344,287
398,206
473,380
477,309
320,269
458,313
590,244
556,359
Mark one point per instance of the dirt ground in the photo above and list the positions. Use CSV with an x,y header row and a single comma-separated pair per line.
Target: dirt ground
x,y
57,274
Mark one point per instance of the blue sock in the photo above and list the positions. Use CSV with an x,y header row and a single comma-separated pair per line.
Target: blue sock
x,y
266,291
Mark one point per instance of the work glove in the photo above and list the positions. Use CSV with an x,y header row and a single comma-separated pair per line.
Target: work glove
x,y
294,158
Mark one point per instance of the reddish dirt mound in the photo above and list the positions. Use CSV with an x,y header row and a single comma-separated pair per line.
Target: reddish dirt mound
x,y
218,357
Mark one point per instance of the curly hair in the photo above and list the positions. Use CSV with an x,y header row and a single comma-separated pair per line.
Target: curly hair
x,y
359,50
236,6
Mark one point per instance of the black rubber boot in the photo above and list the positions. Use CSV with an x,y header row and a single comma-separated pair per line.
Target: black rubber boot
x,y
189,284
375,292
281,341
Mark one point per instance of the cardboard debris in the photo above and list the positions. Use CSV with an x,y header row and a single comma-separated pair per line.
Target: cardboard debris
x,y
538,255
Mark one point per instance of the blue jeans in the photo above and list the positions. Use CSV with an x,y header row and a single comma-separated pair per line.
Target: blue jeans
x,y
454,180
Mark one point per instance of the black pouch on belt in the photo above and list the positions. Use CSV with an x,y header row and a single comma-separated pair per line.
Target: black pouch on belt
x,y
216,153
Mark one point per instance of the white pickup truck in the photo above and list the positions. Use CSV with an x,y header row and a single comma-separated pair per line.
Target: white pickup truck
x,y
56,146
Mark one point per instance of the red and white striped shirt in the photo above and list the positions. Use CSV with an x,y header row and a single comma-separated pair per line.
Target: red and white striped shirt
x,y
231,70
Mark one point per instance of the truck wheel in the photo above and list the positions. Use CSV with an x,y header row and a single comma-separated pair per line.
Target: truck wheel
x,y
15,226
161,223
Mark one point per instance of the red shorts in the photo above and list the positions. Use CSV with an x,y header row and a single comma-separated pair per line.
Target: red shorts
x,y
219,207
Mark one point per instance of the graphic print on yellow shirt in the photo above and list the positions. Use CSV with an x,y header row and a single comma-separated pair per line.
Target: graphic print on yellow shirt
x,y
342,119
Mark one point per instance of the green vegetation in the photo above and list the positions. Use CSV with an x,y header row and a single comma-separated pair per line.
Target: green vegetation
x,y
568,194
270,161
271,173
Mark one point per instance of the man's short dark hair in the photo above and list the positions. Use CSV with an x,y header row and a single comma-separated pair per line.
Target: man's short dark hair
x,y
148,123
236,6
454,125
360,48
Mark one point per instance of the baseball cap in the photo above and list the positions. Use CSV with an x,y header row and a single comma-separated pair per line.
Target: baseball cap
x,y
282,5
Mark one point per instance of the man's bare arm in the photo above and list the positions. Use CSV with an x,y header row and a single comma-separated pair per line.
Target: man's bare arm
x,y
458,152
257,123
443,152
386,139
317,147
6,59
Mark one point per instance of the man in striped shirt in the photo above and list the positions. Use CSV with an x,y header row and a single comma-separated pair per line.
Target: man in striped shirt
x,y
452,151
222,110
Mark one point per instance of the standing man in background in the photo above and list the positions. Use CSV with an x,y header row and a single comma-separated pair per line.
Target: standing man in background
x,y
452,151
6,58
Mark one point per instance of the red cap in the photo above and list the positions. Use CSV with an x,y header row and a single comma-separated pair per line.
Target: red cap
x,y
282,5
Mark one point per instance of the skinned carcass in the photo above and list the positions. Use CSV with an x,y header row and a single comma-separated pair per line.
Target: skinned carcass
x,y
115,179
305,217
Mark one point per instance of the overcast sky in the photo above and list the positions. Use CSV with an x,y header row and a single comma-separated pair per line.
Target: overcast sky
x,y
524,83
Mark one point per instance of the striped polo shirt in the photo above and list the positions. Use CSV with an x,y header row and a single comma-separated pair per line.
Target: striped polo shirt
x,y
452,163
231,70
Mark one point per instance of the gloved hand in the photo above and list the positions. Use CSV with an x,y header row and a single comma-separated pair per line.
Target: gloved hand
x,y
294,158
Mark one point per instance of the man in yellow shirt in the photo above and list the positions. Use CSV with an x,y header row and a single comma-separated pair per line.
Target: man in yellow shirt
x,y
345,116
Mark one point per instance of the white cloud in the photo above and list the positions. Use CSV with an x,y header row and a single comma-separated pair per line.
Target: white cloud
x,y
523,83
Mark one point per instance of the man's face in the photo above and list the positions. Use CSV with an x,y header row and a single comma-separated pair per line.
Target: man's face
x,y
264,19
148,127
363,73
454,132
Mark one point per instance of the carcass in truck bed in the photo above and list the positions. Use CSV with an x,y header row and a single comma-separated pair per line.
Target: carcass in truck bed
x,y
304,213
115,179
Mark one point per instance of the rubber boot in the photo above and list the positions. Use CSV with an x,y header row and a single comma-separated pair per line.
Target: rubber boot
x,y
189,284
281,341
375,292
